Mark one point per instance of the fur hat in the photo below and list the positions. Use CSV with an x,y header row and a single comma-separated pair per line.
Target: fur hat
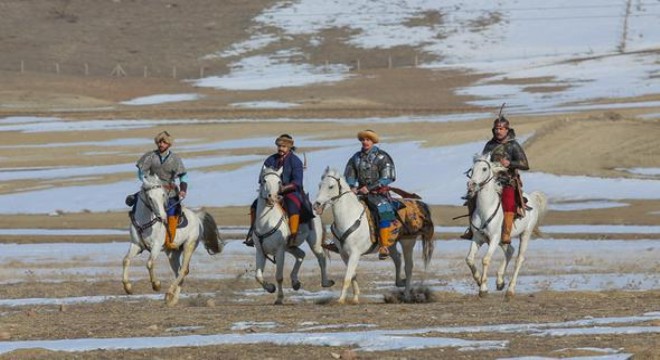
x,y
368,134
164,136
284,139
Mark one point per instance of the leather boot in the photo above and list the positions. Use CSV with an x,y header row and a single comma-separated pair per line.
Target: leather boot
x,y
467,235
172,223
507,226
386,239
248,239
294,224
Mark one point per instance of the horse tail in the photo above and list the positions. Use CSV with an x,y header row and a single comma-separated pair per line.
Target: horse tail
x,y
541,201
428,229
210,235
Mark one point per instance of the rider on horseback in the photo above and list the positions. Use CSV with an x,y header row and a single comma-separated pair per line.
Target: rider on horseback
x,y
165,164
292,186
369,172
504,148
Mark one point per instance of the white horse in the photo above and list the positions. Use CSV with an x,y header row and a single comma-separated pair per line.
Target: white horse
x,y
271,230
148,228
353,233
486,223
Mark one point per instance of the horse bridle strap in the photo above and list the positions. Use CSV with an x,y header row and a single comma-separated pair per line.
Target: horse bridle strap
x,y
350,230
272,231
490,218
490,174
335,198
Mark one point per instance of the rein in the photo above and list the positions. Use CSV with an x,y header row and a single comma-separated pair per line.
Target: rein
x,y
357,222
479,187
142,228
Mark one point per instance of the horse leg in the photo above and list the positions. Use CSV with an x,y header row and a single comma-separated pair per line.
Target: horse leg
x,y
524,239
408,247
279,274
350,278
299,255
155,283
315,244
508,250
485,262
172,295
259,274
396,258
474,248
133,250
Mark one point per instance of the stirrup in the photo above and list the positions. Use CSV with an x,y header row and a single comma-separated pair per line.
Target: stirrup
x,y
468,234
291,241
383,253
330,247
249,242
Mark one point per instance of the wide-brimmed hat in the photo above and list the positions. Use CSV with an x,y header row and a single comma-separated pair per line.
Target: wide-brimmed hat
x,y
368,134
284,139
164,136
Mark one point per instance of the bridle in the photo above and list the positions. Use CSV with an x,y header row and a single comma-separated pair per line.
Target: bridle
x,y
332,201
478,187
147,202
269,202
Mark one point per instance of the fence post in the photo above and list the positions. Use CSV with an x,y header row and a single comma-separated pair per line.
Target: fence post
x,y
22,66
416,60
201,72
389,62
86,69
145,71
57,68
174,72
358,64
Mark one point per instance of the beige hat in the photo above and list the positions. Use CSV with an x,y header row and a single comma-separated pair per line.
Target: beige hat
x,y
368,134
164,136
284,139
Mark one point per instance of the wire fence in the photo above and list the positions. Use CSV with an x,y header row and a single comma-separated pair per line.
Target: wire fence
x,y
197,70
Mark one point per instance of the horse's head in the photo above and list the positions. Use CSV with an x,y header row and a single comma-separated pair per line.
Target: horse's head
x,y
482,172
155,195
270,184
332,186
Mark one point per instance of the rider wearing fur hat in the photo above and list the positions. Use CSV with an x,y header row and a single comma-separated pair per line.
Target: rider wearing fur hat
x,y
292,186
504,148
369,172
165,164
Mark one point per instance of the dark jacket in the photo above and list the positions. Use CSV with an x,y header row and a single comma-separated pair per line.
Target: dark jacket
x,y
509,149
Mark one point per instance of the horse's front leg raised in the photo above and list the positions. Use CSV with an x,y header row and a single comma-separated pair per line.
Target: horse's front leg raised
x,y
155,283
172,296
133,250
474,249
259,274
299,255
350,278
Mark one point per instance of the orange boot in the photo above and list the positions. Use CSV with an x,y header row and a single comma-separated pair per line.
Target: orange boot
x,y
507,226
294,224
172,223
386,239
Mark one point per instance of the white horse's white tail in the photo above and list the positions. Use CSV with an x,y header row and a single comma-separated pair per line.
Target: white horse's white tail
x,y
213,243
542,208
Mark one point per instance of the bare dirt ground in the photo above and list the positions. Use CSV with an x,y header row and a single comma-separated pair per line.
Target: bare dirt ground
x,y
42,33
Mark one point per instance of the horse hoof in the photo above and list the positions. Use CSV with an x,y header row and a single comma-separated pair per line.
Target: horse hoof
x,y
500,286
401,283
483,293
509,295
156,286
328,283
270,288
128,288
278,302
297,285
171,300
